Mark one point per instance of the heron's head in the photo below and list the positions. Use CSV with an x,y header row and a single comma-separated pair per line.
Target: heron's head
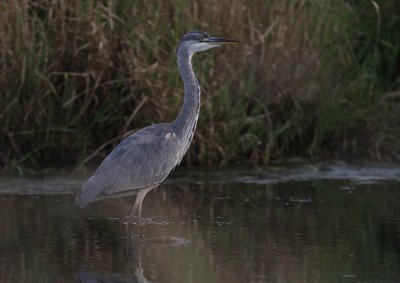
x,y
196,41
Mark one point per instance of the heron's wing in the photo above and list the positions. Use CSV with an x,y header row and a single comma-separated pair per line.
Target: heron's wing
x,y
142,160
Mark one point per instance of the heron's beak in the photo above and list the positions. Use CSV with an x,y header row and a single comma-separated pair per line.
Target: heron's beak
x,y
220,41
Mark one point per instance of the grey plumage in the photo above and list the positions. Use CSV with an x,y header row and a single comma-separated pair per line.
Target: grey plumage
x,y
144,159
128,165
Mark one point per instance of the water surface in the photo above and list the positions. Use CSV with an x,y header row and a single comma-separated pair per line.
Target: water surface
x,y
333,223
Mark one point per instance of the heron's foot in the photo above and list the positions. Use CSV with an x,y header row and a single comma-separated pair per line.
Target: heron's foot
x,y
132,220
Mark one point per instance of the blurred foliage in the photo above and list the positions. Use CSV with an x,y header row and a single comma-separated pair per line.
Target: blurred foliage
x,y
311,78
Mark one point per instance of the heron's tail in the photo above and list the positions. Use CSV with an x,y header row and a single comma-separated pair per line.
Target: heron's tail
x,y
90,190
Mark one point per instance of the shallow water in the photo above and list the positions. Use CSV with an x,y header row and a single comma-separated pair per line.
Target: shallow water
x,y
307,224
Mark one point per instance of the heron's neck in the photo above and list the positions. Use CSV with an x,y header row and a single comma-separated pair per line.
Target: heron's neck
x,y
185,124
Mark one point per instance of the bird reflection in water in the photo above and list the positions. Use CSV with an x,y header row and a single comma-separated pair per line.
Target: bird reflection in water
x,y
134,252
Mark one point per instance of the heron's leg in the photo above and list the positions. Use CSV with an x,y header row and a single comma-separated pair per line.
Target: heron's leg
x,y
133,211
138,206
140,212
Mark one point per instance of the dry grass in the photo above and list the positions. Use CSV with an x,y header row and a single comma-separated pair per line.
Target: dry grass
x,y
78,76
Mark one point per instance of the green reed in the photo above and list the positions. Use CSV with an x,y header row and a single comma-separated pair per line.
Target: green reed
x,y
314,79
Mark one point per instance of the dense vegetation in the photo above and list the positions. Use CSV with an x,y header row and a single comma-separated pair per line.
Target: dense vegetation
x,y
315,79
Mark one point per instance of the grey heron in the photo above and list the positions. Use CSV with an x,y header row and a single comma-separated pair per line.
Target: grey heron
x,y
144,159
